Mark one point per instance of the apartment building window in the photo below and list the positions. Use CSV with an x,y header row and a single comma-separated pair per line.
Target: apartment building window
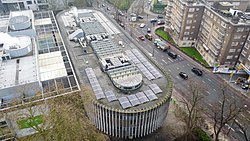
x,y
194,21
243,53
232,50
186,33
187,27
29,2
237,36
247,29
211,16
248,58
190,15
215,18
192,33
229,57
238,50
191,10
197,9
234,43
247,45
244,36
235,56
185,38
241,43
240,29
189,21
193,26
190,38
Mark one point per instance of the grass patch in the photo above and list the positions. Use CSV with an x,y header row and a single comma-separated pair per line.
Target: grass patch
x,y
191,51
27,123
164,35
121,4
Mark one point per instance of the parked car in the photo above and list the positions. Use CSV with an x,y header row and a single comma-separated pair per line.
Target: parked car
x,y
153,20
148,30
103,5
183,75
108,9
140,17
149,37
160,22
244,86
142,25
172,54
133,15
141,38
122,24
160,16
197,71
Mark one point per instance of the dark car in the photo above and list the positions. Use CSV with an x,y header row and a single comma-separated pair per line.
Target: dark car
x,y
183,75
244,86
197,71
140,17
172,54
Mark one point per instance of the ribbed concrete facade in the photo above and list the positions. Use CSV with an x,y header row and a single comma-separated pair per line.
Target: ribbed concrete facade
x,y
128,123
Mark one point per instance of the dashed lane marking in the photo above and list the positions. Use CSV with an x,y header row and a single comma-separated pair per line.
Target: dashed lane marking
x,y
164,61
203,81
209,80
188,65
214,90
208,92
177,68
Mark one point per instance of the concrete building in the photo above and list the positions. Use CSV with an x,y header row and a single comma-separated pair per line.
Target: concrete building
x,y
222,35
34,64
185,22
237,4
168,9
245,54
131,95
17,5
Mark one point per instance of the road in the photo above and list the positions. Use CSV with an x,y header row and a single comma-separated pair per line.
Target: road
x,y
211,82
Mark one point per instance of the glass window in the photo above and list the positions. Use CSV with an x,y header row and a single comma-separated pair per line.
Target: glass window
x,y
29,2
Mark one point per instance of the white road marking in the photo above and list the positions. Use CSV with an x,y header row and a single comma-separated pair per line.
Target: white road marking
x,y
162,56
220,102
164,61
169,70
248,112
208,92
178,77
177,68
233,96
210,104
203,81
162,64
188,65
243,116
214,90
183,66
209,80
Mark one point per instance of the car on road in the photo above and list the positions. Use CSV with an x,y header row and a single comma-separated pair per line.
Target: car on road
x,y
149,37
160,22
148,30
142,25
172,54
153,20
183,75
108,8
141,38
122,25
244,86
160,16
140,17
103,5
197,71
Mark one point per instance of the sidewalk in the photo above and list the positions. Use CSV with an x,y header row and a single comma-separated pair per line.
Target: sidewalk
x,y
177,98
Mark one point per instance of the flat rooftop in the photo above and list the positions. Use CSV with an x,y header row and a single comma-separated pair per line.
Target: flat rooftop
x,y
18,71
153,88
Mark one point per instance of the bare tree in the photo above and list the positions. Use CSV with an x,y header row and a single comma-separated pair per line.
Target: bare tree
x,y
191,114
224,113
244,126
